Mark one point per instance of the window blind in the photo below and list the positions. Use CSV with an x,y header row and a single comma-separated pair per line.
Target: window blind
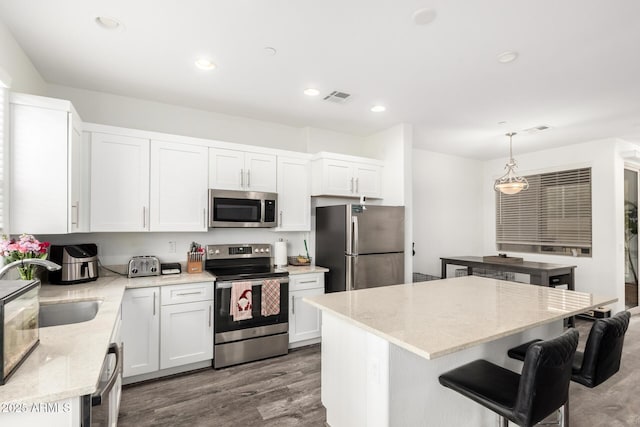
x,y
555,211
3,142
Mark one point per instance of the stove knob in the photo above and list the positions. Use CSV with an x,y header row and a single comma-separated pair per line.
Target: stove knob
x,y
262,250
257,250
217,251
267,250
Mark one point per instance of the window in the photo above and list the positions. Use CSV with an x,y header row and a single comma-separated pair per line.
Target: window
x,y
4,117
552,216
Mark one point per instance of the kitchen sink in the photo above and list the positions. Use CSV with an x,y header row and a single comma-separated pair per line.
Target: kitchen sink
x,y
66,313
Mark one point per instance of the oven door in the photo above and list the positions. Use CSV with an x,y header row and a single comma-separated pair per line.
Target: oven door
x,y
227,329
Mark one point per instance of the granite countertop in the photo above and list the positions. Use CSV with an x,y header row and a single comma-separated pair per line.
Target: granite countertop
x,y
432,319
69,358
295,269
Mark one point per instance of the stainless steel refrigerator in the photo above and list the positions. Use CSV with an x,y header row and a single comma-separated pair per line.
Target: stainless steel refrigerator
x,y
363,247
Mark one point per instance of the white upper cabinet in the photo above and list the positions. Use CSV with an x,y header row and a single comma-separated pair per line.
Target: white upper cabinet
x,y
178,187
119,183
239,170
340,175
45,156
294,194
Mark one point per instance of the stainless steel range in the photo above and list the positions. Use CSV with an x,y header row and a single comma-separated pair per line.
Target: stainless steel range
x,y
242,271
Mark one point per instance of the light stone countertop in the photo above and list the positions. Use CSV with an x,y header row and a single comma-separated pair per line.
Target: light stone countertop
x,y
296,269
435,318
69,358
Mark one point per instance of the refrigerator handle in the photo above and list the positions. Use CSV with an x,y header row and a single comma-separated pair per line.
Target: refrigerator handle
x,y
350,283
354,220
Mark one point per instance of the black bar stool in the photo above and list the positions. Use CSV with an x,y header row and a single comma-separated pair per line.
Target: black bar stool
x,y
602,352
524,399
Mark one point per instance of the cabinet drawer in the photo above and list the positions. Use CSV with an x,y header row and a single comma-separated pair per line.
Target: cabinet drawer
x,y
300,282
189,292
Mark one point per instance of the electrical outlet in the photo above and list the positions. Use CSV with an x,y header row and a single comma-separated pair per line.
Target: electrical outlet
x,y
172,247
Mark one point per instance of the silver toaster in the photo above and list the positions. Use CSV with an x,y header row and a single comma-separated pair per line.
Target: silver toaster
x,y
140,266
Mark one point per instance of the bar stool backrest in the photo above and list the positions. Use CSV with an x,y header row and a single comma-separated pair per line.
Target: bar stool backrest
x,y
544,383
603,350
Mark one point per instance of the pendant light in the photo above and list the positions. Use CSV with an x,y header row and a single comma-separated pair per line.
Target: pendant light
x,y
510,183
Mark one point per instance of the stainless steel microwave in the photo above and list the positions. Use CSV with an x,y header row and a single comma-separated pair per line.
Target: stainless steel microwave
x,y
238,209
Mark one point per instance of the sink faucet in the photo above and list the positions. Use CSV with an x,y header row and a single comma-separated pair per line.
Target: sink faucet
x,y
51,266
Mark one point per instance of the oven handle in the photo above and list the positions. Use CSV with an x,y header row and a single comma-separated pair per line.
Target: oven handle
x,y
98,396
226,285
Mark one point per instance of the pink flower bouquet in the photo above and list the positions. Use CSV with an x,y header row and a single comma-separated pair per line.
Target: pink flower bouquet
x,y
25,247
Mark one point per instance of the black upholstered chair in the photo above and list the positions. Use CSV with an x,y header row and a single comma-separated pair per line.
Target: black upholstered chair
x,y
524,399
602,352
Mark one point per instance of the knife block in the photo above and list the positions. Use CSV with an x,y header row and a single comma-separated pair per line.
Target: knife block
x,y
194,262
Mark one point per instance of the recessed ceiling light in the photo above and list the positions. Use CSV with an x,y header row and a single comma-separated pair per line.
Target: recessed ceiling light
x,y
507,56
311,91
424,16
108,23
378,108
205,64
270,51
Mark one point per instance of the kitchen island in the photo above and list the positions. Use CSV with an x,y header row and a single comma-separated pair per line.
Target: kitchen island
x,y
384,348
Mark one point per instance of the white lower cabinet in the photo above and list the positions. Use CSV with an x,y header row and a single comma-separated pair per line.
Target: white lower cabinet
x,y
140,331
166,327
187,327
304,320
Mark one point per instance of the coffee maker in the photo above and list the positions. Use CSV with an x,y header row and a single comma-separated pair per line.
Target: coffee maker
x,y
79,263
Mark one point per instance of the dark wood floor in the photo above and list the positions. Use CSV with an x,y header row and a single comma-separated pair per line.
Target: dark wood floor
x,y
283,391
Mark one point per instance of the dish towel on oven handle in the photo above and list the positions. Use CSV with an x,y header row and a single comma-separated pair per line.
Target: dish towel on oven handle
x,y
270,297
240,301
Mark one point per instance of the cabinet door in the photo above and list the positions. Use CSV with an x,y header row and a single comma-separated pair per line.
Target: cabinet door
x,y
178,187
187,333
39,174
260,170
294,195
141,331
304,320
226,169
79,179
367,180
119,183
337,177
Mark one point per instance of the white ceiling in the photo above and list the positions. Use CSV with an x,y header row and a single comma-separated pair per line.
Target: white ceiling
x,y
578,69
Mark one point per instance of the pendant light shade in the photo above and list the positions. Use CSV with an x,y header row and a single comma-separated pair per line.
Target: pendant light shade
x,y
510,183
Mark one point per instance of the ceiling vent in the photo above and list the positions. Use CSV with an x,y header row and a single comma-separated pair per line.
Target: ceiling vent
x,y
536,129
337,97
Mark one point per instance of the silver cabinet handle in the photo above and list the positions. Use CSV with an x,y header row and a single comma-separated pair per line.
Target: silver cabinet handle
x,y
241,177
204,217
248,178
154,303
280,218
357,185
210,305
75,206
308,281
189,293
351,188
293,305
144,217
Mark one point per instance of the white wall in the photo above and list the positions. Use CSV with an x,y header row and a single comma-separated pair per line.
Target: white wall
x,y
317,140
115,110
118,248
393,146
15,64
603,273
447,208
